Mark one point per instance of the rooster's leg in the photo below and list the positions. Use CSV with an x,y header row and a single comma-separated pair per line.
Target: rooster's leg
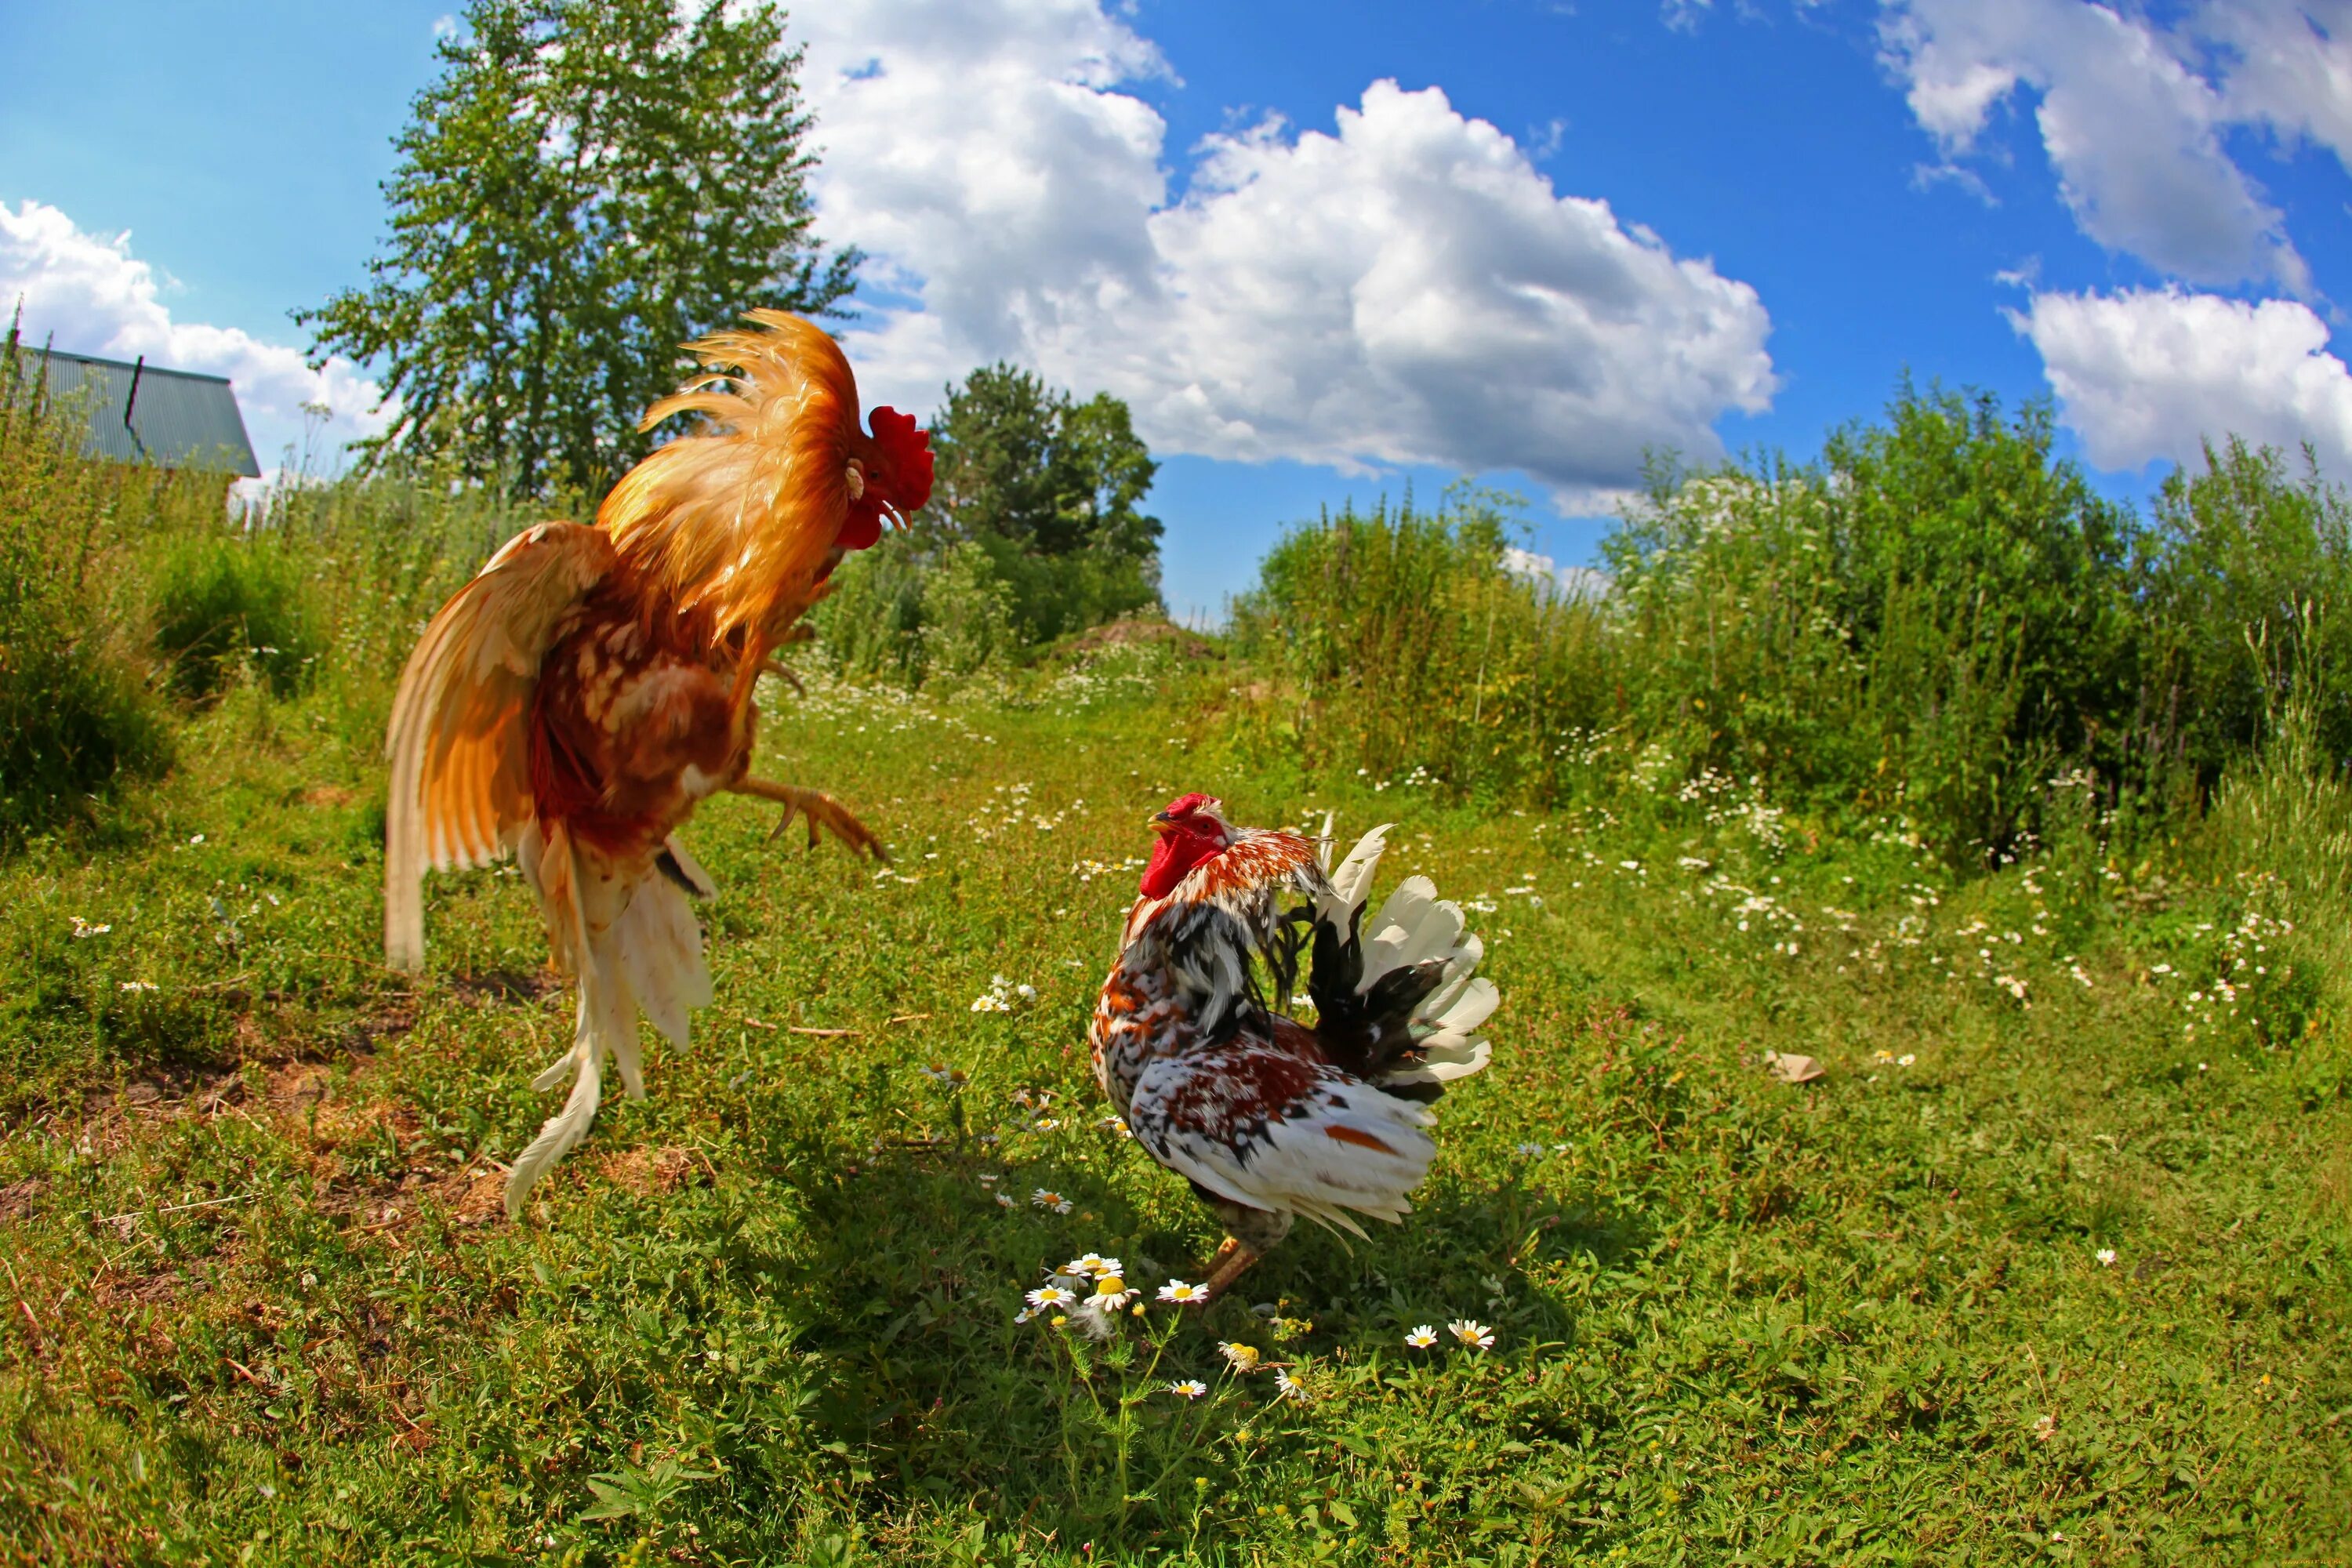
x,y
1231,1259
821,811
1250,1234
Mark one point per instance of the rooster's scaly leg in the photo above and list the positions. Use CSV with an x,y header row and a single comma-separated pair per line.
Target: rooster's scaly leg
x,y
1231,1259
819,809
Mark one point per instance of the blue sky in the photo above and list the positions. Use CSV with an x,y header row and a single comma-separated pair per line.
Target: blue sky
x,y
1327,250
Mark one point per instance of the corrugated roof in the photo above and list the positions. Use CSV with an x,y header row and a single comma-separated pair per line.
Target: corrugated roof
x,y
179,420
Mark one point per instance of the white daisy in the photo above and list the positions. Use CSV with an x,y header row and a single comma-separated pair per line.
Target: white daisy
x,y
1048,1296
1190,1388
940,1072
1240,1357
1422,1337
1093,1263
2107,1257
1290,1387
1183,1295
1004,1200
1045,1198
1111,1292
1471,1332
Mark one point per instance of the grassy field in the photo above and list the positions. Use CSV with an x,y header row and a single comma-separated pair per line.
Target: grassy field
x,y
2050,1264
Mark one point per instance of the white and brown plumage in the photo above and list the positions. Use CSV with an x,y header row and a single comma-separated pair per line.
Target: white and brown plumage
x,y
575,701
1269,1118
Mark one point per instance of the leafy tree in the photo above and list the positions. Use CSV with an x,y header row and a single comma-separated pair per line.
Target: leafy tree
x,y
1051,488
589,184
2247,590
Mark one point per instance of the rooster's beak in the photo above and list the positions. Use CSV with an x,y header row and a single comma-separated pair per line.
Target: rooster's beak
x,y
1161,821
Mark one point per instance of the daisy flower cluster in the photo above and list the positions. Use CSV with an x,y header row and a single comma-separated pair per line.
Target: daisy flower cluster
x,y
1470,1333
1001,995
1091,1288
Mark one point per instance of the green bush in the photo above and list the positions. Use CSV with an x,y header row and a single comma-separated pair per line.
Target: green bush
x,y
223,599
75,711
870,626
968,625
1930,625
1409,646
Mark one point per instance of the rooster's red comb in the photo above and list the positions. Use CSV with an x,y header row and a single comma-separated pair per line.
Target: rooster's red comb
x,y
1186,805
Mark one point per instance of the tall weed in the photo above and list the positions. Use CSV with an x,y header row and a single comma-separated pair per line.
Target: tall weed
x,y
76,714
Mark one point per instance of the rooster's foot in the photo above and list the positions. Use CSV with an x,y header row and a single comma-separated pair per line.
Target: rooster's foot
x,y
1226,1267
820,810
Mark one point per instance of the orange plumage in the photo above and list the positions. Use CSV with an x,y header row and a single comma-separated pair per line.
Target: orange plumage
x,y
575,701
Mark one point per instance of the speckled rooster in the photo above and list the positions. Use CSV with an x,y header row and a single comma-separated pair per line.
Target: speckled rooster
x,y
1269,1118
574,702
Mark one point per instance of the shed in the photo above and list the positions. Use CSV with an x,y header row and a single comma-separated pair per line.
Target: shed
x,y
141,413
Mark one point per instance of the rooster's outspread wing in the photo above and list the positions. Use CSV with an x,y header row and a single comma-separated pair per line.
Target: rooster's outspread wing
x,y
460,755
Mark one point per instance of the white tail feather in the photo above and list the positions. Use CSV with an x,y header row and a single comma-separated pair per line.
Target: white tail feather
x,y
629,938
566,1129
1413,926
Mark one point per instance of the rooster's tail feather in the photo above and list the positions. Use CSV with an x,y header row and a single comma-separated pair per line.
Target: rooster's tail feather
x,y
1415,927
630,942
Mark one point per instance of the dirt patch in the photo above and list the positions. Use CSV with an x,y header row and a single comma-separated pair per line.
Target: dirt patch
x,y
17,1198
1136,632
327,795
495,987
362,1035
140,1290
650,1171
295,1086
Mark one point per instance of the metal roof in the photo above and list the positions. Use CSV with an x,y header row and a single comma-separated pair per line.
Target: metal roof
x,y
177,420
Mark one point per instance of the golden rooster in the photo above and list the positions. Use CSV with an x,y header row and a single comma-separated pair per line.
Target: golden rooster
x,y
574,702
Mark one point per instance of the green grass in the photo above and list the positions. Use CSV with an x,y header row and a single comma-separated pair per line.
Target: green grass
x,y
262,1308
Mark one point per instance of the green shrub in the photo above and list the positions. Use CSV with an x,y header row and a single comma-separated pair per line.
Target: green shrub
x,y
967,614
909,611
870,626
75,711
1409,645
1932,624
223,599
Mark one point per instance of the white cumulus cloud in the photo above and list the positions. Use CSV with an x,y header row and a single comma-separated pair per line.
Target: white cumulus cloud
x,y
2147,374
2288,65
1406,287
86,293
2132,126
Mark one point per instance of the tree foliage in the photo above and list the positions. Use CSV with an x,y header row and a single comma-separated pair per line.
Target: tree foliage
x,y
1940,621
588,185
1052,489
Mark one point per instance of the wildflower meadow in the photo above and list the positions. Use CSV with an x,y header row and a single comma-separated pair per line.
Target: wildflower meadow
x,y
1917,1135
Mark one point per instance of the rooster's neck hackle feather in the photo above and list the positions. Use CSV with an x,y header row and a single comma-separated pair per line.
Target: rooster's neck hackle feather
x,y
736,526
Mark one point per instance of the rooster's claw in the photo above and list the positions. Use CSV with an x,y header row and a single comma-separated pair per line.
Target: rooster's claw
x,y
820,811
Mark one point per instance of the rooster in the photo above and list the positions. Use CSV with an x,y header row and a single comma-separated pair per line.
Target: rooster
x,y
573,703
1269,1118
